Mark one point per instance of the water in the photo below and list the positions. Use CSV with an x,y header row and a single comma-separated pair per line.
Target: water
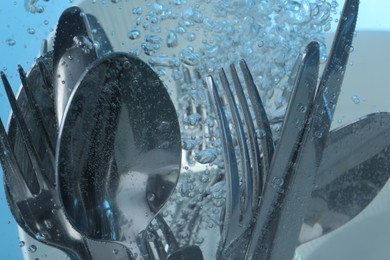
x,y
204,36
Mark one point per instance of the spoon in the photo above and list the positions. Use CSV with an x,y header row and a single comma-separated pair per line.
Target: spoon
x,y
119,150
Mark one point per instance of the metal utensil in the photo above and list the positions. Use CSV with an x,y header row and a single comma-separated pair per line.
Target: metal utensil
x,y
235,247
354,164
73,51
281,213
187,252
119,151
241,201
29,172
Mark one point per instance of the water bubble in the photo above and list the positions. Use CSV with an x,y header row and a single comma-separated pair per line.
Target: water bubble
x,y
349,48
137,10
40,236
301,108
48,224
30,30
172,40
46,22
192,119
10,42
356,99
115,251
134,34
84,43
206,156
188,57
32,248
150,196
163,60
191,36
22,243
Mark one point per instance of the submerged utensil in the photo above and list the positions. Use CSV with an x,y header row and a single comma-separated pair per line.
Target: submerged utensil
x,y
73,51
26,157
355,165
119,150
283,205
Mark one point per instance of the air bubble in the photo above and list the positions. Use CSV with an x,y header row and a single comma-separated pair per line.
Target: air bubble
x,y
10,42
134,34
206,156
349,48
31,31
32,248
151,196
356,99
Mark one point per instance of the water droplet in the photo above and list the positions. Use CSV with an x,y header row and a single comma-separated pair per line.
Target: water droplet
x,y
22,243
32,248
46,22
115,251
134,34
10,42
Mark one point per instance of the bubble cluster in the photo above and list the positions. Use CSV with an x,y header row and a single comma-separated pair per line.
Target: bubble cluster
x,y
204,36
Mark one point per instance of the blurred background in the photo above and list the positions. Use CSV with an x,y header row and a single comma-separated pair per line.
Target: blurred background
x,y
23,25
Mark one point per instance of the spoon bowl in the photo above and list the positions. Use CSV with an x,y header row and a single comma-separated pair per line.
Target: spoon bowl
x,y
119,150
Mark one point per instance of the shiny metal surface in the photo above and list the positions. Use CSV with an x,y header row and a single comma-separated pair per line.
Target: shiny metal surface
x,y
187,252
354,166
119,152
242,198
73,51
29,172
281,213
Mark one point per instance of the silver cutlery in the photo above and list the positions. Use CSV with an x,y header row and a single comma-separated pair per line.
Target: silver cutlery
x,y
355,165
73,51
29,175
240,226
282,210
119,151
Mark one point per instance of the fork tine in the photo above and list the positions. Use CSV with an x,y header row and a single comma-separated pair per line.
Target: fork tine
x,y
12,172
232,212
246,198
257,170
261,119
37,114
27,139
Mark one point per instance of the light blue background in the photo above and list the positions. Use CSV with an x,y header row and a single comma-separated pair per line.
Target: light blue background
x,y
14,24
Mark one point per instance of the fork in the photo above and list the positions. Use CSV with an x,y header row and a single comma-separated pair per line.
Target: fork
x,y
242,202
39,212
281,212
